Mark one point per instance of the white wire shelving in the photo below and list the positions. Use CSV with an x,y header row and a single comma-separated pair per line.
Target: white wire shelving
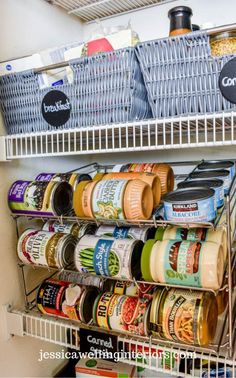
x,y
188,361
89,10
200,130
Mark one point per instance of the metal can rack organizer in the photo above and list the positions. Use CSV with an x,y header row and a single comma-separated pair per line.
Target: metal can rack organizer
x,y
220,352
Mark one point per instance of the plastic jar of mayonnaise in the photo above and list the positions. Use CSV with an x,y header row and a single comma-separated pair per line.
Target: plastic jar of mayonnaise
x,y
150,178
113,199
218,236
186,263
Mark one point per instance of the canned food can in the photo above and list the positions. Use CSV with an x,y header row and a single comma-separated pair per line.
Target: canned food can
x,y
137,233
55,250
184,316
128,288
51,296
40,198
216,184
218,164
73,228
190,205
222,174
122,313
72,178
86,280
78,304
109,257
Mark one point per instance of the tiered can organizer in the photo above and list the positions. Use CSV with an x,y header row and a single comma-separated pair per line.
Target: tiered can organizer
x,y
66,332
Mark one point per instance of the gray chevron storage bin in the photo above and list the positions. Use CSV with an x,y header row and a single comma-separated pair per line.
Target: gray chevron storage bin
x,y
181,76
106,88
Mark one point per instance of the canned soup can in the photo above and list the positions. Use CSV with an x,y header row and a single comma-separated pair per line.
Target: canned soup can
x,y
218,164
222,174
40,198
72,178
122,313
190,205
55,250
73,228
216,184
118,258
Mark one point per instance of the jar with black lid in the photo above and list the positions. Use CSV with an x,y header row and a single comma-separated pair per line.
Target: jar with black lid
x,y
180,20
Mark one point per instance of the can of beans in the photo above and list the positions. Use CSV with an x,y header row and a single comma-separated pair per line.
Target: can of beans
x,y
51,296
137,233
52,249
73,228
109,257
78,304
122,313
40,198
72,178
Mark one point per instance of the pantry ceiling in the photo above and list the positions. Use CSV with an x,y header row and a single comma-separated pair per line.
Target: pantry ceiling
x,y
88,10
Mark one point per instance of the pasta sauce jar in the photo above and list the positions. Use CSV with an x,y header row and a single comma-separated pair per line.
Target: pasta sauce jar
x,y
184,316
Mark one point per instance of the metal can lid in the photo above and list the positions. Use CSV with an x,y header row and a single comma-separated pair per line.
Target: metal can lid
x,y
87,300
214,183
190,194
208,174
216,164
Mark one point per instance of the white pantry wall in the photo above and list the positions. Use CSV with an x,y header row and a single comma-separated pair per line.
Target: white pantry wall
x,y
26,27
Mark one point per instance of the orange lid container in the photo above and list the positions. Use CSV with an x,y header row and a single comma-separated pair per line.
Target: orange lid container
x,y
113,199
150,178
163,171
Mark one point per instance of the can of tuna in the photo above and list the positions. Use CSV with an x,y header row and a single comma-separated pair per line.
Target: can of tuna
x,y
72,178
109,257
78,304
216,184
190,205
137,233
221,174
122,313
73,228
55,250
50,297
40,198
218,164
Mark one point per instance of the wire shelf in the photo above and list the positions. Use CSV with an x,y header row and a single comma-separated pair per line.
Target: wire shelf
x,y
65,332
201,130
88,10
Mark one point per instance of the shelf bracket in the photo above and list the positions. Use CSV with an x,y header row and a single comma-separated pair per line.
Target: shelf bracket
x,y
13,322
3,152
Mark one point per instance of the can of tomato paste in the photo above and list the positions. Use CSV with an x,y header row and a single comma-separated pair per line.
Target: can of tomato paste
x,y
40,198
122,313
51,296
52,249
72,178
73,228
